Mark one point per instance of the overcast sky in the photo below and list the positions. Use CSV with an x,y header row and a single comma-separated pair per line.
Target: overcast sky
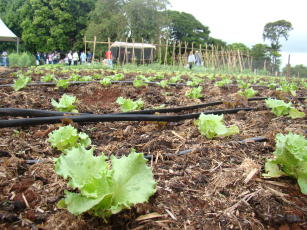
x,y
243,21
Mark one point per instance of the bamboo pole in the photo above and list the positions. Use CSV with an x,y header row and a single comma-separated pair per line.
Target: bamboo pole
x,y
133,51
160,51
85,44
94,49
143,53
126,52
166,51
180,58
173,55
240,61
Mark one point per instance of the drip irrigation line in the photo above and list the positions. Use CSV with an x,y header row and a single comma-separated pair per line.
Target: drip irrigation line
x,y
152,157
111,117
16,112
43,113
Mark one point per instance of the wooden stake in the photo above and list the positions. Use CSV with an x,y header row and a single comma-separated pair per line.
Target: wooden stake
x,y
166,51
94,49
133,52
143,53
173,55
85,44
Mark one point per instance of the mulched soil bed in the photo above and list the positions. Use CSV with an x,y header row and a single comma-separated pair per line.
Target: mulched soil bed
x,y
216,186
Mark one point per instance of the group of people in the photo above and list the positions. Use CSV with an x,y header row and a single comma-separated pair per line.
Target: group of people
x,y
194,59
71,58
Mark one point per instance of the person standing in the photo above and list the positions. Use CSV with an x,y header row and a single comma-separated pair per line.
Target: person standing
x,y
197,59
75,57
109,58
83,57
89,57
4,58
191,59
69,56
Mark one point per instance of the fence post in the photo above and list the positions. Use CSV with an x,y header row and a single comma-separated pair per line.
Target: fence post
x,y
94,49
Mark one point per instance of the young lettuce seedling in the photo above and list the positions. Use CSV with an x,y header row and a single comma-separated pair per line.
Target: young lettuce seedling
x,y
280,108
127,105
65,104
212,126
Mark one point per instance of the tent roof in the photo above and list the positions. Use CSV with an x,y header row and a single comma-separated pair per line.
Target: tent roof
x,y
6,34
131,45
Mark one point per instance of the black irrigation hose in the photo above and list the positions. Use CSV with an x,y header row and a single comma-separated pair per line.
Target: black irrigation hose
x,y
44,113
15,112
110,118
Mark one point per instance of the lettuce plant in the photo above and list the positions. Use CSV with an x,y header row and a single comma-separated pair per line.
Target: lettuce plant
x,y
127,105
21,82
280,108
62,83
65,104
106,81
290,159
67,137
212,126
195,81
163,83
175,79
288,88
194,93
248,93
223,82
139,83
47,78
104,188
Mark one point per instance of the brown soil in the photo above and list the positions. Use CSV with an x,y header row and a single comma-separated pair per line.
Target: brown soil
x,y
216,186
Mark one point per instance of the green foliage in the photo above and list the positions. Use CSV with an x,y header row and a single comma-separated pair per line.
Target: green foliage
x,y
139,83
195,81
62,83
21,82
280,108
298,70
194,93
163,84
288,87
223,82
127,105
290,159
65,104
47,78
55,24
248,93
104,189
238,46
175,79
21,60
212,126
106,81
185,27
261,55
68,137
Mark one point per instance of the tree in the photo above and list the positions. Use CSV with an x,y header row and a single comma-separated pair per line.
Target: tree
x,y
145,18
186,28
298,70
238,46
54,24
261,56
107,20
274,31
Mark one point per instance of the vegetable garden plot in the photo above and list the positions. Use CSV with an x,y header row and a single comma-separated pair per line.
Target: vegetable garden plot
x,y
218,185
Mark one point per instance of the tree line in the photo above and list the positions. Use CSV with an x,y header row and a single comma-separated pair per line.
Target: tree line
x,y
48,25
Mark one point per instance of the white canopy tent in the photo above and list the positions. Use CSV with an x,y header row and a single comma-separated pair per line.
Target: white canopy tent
x,y
6,35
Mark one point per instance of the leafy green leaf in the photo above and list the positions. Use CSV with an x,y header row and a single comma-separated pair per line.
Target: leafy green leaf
x,y
104,190
67,137
294,113
212,126
194,93
21,82
65,104
290,159
280,108
248,93
128,105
